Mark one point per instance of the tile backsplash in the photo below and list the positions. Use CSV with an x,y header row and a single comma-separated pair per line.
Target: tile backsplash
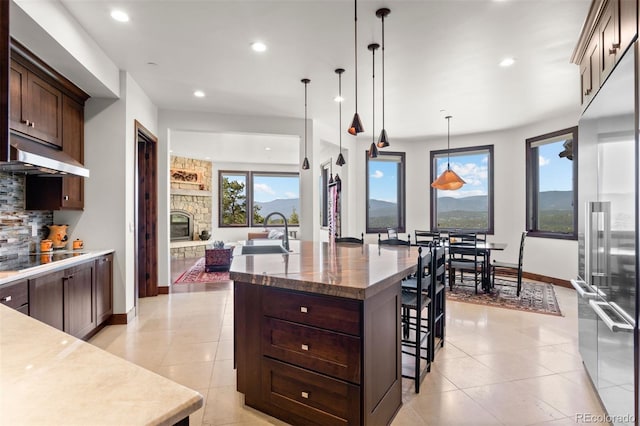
x,y
16,223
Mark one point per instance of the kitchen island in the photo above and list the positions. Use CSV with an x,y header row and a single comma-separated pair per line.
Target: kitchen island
x,y
49,377
317,331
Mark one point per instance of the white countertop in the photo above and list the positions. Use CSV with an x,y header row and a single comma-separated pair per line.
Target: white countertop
x,y
79,257
48,377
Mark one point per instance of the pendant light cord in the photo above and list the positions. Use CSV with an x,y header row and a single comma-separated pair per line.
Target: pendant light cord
x,y
355,41
373,79
448,117
340,108
305,119
382,71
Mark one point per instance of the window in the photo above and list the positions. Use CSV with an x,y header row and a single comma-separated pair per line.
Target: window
x,y
233,199
552,184
386,192
275,192
325,174
469,208
265,192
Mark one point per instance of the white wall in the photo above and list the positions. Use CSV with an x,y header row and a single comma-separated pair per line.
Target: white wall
x,y
107,221
550,257
169,121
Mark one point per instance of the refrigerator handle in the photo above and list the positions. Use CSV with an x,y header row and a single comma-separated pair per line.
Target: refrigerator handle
x,y
584,290
608,321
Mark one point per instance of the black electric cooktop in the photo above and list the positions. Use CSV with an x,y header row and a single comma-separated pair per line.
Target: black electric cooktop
x,y
14,262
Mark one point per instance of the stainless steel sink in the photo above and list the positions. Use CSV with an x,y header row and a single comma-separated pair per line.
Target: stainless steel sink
x,y
264,249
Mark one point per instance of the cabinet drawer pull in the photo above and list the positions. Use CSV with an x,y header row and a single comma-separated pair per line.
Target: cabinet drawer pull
x,y
66,198
33,125
304,347
305,395
303,309
6,299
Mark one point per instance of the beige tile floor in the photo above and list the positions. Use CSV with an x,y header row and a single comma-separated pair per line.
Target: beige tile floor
x,y
498,366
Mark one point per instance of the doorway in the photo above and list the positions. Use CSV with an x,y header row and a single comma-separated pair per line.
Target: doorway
x,y
146,213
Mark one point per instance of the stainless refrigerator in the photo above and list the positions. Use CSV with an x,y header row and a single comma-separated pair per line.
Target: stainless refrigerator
x,y
607,282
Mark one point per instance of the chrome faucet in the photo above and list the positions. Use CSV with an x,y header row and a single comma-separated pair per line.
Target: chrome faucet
x,y
285,239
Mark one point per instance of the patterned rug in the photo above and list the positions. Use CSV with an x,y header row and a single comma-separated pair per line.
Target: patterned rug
x,y
197,274
534,297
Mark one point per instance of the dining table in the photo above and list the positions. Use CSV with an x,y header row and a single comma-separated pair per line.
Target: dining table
x,y
485,248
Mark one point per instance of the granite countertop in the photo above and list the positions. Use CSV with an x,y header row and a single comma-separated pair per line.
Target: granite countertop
x,y
69,258
345,270
49,377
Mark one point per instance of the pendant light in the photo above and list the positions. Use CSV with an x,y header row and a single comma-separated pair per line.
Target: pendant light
x,y
305,162
448,180
356,125
373,149
340,161
383,140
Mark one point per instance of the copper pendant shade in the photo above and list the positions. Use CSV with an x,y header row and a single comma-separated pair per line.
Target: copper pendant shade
x,y
340,161
448,180
356,124
373,149
305,162
383,140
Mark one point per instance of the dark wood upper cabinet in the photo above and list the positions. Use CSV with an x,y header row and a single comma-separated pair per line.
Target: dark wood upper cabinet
x,y
47,108
36,106
4,80
608,31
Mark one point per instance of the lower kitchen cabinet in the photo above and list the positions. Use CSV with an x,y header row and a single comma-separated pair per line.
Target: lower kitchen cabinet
x,y
315,359
16,296
76,300
79,296
46,299
104,288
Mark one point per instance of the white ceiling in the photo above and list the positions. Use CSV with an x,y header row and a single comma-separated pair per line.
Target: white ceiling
x,y
438,55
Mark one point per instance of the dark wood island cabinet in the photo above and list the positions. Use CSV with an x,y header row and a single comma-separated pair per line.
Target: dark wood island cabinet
x,y
317,332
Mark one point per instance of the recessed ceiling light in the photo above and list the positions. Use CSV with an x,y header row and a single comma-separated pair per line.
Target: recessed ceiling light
x,y
507,62
119,16
338,99
207,158
198,94
258,46
267,148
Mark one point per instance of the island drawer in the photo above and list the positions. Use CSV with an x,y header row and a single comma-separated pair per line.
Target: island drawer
x,y
331,313
323,351
314,397
15,295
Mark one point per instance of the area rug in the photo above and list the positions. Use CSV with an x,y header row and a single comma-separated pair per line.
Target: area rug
x,y
197,274
534,297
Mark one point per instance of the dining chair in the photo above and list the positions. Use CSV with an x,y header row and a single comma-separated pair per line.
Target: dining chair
x,y
438,276
417,319
465,255
424,238
392,233
395,241
352,240
511,267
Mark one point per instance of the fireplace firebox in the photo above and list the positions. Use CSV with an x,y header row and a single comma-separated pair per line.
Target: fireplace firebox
x,y
181,225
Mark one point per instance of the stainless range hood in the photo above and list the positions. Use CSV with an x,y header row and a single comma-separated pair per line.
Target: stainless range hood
x,y
27,156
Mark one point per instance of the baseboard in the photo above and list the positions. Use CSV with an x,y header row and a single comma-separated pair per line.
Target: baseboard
x,y
122,319
163,289
555,281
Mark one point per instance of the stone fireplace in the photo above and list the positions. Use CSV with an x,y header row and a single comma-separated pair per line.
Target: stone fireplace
x,y
190,205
